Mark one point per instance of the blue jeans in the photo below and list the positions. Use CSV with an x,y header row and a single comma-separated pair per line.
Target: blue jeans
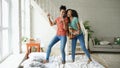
x,y
82,44
63,40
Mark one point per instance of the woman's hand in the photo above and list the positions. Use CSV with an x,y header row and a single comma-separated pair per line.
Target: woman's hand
x,y
76,32
48,15
51,23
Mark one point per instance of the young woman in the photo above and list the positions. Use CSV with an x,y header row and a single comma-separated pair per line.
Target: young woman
x,y
62,24
75,30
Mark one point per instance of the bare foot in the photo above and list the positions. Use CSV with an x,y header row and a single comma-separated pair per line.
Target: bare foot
x,y
73,60
89,61
45,61
63,62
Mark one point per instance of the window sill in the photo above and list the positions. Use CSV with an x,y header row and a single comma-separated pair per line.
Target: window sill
x,y
13,61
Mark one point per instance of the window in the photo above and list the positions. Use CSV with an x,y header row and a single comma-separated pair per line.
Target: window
x,y
23,16
14,21
4,29
25,20
0,29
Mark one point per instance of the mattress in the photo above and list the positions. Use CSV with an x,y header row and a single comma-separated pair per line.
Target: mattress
x,y
36,58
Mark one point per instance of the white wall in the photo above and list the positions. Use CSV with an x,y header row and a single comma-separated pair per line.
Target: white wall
x,y
41,28
104,15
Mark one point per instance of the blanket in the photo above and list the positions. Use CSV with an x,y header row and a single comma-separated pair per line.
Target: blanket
x,y
35,61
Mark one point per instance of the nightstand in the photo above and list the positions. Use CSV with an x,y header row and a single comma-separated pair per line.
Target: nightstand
x,y
30,45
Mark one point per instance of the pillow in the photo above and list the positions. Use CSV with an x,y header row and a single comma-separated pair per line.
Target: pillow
x,y
104,42
37,56
32,64
37,64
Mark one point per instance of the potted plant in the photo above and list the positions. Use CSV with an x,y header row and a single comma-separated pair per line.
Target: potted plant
x,y
88,27
97,41
24,40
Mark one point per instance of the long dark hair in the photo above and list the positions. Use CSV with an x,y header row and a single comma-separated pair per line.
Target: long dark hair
x,y
74,12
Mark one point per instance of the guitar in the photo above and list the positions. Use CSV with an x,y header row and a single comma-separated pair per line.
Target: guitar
x,y
72,33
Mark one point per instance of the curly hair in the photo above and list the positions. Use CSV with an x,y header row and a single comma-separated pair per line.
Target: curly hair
x,y
74,12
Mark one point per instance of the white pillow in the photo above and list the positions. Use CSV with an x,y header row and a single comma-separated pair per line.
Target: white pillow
x,y
32,64
37,56
104,42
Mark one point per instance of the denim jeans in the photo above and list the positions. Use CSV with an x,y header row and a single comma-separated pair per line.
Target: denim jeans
x,y
63,40
82,44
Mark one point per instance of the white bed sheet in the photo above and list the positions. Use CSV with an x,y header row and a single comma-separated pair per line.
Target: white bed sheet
x,y
55,62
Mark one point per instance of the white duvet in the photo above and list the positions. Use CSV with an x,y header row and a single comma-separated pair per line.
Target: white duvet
x,y
35,61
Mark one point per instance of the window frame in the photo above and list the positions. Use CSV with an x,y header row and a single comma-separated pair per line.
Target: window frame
x,y
3,57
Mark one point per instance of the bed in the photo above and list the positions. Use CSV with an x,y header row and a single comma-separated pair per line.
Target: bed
x,y
35,61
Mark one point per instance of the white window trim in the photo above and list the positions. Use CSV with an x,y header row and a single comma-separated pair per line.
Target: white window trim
x,y
1,36
1,29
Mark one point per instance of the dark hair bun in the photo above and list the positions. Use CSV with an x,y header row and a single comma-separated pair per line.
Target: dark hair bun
x,y
62,7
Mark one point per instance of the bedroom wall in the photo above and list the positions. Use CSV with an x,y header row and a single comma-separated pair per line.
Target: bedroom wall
x,y
42,30
104,15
